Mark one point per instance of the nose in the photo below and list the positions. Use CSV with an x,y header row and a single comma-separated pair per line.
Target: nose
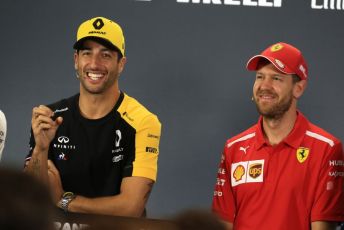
x,y
265,83
94,61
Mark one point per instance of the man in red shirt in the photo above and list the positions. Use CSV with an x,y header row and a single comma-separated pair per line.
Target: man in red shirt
x,y
284,172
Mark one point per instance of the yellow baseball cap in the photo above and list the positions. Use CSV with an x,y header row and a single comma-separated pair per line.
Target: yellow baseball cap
x,y
102,30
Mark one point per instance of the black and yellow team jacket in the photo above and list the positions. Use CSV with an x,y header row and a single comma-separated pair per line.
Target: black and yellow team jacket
x,y
93,156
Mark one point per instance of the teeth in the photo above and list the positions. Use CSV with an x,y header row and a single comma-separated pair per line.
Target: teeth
x,y
95,76
266,96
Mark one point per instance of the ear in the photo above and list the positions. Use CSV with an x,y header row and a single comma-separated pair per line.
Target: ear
x,y
76,60
299,88
121,64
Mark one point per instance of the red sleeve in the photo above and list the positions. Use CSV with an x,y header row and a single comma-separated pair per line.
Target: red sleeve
x,y
329,198
223,202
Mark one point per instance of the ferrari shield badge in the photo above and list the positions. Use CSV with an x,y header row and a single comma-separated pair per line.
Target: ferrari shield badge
x,y
302,154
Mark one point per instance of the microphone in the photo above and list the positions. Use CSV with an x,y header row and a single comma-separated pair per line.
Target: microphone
x,y
3,129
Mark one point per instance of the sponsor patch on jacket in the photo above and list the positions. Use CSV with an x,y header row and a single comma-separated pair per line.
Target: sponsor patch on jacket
x,y
255,170
247,172
151,150
153,136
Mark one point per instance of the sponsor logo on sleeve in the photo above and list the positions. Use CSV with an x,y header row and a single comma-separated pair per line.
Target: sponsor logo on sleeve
x,y
153,136
217,193
302,154
329,185
221,171
127,116
151,150
220,182
336,163
223,158
336,173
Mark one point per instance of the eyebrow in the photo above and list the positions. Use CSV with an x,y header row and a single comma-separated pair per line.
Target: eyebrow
x,y
102,50
273,74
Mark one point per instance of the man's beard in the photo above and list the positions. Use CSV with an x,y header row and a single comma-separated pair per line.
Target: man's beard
x,y
276,111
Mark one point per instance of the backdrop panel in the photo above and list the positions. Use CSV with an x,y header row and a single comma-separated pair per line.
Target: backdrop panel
x,y
186,63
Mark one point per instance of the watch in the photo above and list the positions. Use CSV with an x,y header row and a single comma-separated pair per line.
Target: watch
x,y
66,198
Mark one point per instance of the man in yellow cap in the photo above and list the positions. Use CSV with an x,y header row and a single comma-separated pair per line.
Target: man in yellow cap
x,y
98,149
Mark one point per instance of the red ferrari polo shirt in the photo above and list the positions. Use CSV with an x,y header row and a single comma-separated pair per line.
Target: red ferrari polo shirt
x,y
286,186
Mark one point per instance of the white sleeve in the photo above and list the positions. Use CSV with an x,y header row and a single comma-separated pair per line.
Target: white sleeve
x,y
3,129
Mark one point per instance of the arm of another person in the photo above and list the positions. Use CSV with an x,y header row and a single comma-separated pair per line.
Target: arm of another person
x,y
324,225
43,131
130,202
223,202
228,225
328,210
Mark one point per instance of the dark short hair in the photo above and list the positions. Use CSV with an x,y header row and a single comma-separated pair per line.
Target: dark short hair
x,y
263,62
80,45
296,78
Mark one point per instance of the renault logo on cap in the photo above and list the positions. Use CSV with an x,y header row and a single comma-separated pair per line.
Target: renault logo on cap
x,y
98,24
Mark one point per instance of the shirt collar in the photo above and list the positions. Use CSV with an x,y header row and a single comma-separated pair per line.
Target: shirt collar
x,y
260,140
293,139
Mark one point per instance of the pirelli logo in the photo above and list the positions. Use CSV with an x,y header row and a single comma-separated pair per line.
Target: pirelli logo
x,y
151,150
